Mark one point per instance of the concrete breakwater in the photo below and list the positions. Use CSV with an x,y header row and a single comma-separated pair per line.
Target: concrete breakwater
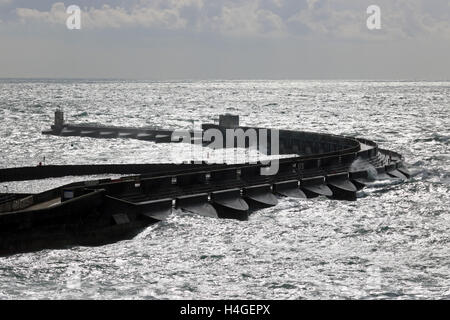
x,y
101,211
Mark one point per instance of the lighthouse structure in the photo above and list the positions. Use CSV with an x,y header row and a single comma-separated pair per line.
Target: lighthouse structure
x,y
59,120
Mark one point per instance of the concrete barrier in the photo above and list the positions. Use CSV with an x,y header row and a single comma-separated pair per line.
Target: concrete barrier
x,y
156,209
127,135
341,186
390,167
119,187
224,175
341,181
330,161
381,170
107,134
314,187
145,136
250,173
191,179
188,185
381,173
260,196
163,138
289,188
403,169
68,132
89,133
150,185
13,202
363,154
197,204
347,159
359,178
311,164
53,171
229,204
287,168
392,171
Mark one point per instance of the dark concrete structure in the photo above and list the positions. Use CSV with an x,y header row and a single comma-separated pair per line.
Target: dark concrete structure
x,y
103,211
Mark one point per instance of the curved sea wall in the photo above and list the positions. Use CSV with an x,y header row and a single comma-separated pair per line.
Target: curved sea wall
x,y
101,211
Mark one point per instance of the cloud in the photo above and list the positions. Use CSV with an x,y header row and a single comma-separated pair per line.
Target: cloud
x,y
248,20
336,19
341,19
109,17
56,15
5,2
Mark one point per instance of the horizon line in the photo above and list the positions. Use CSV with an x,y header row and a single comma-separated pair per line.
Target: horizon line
x,y
224,79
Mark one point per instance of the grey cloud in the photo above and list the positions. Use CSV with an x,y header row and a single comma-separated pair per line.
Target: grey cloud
x,y
337,19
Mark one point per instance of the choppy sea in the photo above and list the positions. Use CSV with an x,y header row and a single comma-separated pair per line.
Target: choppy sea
x,y
393,243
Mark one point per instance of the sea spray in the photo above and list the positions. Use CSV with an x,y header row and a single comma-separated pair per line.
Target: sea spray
x,y
361,164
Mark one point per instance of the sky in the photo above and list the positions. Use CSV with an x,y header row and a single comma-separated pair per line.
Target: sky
x,y
226,39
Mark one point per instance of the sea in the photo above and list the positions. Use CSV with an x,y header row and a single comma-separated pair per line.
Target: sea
x,y
392,243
